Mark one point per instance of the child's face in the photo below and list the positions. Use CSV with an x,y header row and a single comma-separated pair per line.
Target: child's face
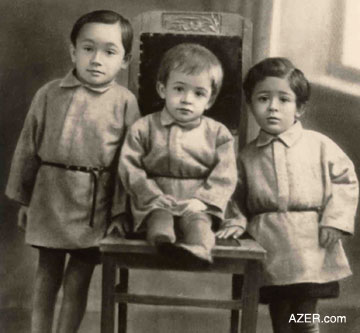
x,y
273,104
186,96
99,53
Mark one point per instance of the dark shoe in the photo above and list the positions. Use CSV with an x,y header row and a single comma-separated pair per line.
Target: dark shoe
x,y
183,255
161,239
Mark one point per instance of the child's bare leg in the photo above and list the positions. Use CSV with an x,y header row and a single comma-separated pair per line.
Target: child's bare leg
x,y
76,286
47,284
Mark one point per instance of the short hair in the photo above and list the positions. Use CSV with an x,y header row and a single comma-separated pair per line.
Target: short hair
x,y
191,58
107,17
281,68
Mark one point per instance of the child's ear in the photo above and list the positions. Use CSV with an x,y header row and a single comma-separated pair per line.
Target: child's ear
x,y
126,61
160,89
300,110
72,53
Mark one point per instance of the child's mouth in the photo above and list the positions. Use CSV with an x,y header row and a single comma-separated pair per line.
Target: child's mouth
x,y
182,110
95,72
273,119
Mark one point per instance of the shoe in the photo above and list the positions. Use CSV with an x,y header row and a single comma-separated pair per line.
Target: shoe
x,y
161,239
182,255
198,251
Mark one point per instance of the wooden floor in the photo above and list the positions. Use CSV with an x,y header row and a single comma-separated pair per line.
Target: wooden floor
x,y
184,320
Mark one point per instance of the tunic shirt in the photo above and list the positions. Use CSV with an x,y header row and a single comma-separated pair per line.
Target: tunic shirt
x,y
289,187
195,160
71,124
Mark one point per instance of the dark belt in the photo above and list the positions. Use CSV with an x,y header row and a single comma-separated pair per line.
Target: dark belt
x,y
313,209
152,176
92,171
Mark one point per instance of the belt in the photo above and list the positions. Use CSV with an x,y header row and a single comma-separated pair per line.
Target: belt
x,y
152,176
312,209
92,171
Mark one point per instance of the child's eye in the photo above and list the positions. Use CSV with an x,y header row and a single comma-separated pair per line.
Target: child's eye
x,y
179,89
110,52
284,100
200,94
88,48
263,99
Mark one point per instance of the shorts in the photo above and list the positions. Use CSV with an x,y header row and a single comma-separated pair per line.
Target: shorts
x,y
269,294
90,255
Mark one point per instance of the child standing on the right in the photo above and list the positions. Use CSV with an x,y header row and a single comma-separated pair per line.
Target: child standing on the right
x,y
298,191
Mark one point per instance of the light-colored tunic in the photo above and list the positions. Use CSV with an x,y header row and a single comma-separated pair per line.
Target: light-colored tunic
x,y
289,186
70,124
160,157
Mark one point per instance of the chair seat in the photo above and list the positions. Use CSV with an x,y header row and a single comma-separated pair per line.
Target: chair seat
x,y
240,259
229,256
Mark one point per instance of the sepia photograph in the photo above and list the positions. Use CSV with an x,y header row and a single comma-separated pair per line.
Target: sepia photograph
x,y
180,166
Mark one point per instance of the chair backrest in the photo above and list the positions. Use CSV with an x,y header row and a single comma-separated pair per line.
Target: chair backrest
x,y
228,36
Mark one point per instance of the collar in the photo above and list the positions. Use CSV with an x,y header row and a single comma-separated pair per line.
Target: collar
x,y
288,138
167,120
71,81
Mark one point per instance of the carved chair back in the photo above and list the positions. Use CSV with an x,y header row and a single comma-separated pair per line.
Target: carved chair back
x,y
227,35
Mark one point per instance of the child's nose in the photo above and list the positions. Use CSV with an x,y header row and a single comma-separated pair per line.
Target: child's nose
x,y
96,58
186,97
274,104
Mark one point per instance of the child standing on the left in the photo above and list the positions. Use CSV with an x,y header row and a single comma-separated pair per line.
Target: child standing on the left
x,y
64,167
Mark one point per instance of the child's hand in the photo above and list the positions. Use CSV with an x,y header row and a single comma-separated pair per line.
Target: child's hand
x,y
194,206
165,201
329,236
22,217
232,231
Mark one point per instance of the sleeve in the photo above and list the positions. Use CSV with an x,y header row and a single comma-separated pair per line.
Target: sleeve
x,y
119,197
25,162
341,190
221,182
132,173
236,212
132,112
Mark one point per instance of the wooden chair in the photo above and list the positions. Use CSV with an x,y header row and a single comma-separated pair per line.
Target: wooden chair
x,y
242,261
228,36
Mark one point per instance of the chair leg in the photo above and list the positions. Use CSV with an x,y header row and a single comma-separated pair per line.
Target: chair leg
x,y
124,287
237,282
108,294
250,296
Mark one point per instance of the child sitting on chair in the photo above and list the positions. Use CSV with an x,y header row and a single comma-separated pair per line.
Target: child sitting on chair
x,y
298,191
179,166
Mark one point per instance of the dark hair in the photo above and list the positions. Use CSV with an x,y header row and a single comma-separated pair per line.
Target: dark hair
x,y
192,58
282,68
108,17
